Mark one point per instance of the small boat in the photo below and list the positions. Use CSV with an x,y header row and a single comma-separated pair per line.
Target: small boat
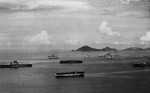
x,y
15,64
70,61
141,64
70,74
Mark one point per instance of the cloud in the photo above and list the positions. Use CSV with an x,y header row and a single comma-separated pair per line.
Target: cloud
x,y
73,42
130,14
128,1
105,29
41,38
146,37
98,42
119,43
23,5
4,39
143,42
136,9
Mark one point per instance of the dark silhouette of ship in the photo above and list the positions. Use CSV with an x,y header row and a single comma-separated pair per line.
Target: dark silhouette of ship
x,y
15,64
70,74
141,63
70,61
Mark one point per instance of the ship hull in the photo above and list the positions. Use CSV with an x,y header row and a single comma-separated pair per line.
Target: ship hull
x,y
69,74
20,65
141,65
70,61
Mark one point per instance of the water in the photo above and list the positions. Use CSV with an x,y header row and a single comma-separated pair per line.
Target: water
x,y
102,76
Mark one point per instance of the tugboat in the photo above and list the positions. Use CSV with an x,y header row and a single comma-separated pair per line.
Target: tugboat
x,y
141,63
70,74
15,64
70,61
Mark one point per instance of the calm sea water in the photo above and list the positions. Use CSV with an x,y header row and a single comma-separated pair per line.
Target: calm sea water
x,y
101,76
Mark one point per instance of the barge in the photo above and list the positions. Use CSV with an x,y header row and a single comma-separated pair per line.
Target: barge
x,y
70,61
70,74
15,64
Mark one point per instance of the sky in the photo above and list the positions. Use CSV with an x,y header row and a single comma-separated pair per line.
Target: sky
x,y
69,24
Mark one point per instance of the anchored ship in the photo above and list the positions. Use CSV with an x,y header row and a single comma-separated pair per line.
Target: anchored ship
x,y
70,74
70,61
15,64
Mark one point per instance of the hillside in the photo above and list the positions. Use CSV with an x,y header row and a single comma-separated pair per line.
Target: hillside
x,y
108,49
133,49
87,48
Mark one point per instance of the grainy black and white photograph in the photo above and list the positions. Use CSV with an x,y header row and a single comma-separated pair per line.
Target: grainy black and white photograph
x,y
74,46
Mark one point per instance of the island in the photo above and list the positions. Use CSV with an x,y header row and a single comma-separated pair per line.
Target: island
x,y
87,48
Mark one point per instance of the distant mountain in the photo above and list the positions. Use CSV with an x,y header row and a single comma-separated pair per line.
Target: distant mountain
x,y
87,48
147,49
133,48
108,49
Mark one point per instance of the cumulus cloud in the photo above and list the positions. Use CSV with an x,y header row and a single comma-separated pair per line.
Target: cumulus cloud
x,y
128,1
97,42
119,43
73,42
15,5
41,38
4,39
105,29
143,42
146,37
